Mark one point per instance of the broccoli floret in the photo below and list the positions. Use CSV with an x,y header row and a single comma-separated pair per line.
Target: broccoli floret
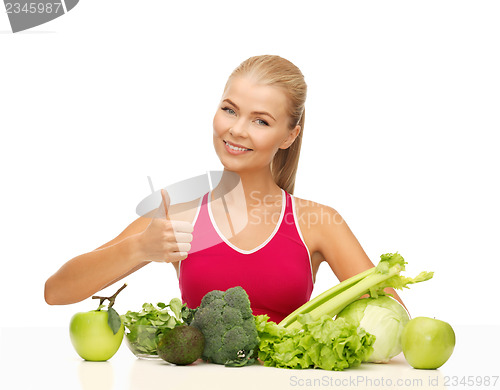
x,y
231,317
237,297
250,329
226,321
211,296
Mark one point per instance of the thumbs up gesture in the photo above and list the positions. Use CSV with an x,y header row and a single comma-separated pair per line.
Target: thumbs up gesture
x,y
166,240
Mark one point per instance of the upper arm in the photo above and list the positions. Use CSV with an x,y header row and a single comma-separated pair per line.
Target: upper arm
x,y
341,248
137,226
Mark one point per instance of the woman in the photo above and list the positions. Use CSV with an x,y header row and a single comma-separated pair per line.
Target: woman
x,y
254,234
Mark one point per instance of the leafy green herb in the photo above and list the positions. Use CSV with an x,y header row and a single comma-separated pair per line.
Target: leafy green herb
x,y
187,314
146,326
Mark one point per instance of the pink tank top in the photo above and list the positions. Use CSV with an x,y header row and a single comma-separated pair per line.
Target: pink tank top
x,y
277,275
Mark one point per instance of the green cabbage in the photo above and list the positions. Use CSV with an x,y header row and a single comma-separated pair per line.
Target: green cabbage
x,y
383,317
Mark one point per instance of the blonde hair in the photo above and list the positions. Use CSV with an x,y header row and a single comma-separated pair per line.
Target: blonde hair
x,y
278,72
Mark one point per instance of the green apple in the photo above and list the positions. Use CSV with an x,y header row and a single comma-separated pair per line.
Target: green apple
x,y
92,336
97,334
427,342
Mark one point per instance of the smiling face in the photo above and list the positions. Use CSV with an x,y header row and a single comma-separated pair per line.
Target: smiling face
x,y
250,125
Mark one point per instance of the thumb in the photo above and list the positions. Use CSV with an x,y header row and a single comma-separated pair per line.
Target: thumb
x,y
165,203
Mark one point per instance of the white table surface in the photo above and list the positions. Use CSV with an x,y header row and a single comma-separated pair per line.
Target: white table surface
x,y
43,358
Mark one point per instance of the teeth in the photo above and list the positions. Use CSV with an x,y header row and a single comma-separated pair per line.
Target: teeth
x,y
235,147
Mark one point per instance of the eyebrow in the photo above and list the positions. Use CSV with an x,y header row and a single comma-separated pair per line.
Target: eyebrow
x,y
254,112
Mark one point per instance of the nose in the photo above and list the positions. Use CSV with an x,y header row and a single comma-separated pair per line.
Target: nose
x,y
239,128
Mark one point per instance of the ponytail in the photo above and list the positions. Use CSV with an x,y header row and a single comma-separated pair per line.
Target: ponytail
x,y
286,161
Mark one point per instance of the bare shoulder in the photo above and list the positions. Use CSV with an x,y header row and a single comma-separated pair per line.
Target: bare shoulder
x,y
331,238
316,216
315,221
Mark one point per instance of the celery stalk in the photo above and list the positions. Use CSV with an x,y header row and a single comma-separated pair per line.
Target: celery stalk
x,y
335,305
372,281
325,297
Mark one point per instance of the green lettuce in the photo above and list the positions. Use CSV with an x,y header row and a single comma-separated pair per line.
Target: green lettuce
x,y
323,343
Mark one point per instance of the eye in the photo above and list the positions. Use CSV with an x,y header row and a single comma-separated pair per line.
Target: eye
x,y
262,122
229,110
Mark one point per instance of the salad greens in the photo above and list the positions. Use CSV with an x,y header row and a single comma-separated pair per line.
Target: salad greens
x,y
325,343
147,326
311,338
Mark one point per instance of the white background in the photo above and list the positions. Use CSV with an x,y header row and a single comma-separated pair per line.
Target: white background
x,y
400,134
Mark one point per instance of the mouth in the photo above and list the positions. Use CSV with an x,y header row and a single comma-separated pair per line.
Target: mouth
x,y
235,148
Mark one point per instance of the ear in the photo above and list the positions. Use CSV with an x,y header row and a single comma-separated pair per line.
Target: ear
x,y
290,138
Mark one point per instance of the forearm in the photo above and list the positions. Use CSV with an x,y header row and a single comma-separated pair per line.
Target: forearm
x,y
84,275
393,292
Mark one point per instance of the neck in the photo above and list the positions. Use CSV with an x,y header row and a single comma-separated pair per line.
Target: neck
x,y
250,186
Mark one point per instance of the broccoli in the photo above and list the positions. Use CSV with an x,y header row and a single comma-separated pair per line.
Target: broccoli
x,y
226,320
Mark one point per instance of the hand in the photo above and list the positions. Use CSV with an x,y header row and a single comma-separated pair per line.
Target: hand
x,y
165,240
